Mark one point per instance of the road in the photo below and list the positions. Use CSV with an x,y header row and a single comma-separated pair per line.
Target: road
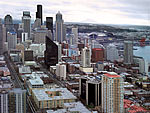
x,y
17,81
46,71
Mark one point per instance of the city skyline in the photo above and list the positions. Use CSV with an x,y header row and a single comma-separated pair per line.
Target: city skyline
x,y
72,57
91,11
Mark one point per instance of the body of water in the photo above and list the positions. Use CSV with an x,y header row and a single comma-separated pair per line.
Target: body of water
x,y
143,52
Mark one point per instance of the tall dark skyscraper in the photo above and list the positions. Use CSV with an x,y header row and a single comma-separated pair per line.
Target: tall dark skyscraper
x,y
51,53
39,13
49,23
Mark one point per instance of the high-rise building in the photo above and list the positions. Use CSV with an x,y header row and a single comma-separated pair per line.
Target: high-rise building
x,y
26,20
39,13
112,52
64,32
75,34
13,101
128,52
93,92
97,54
61,71
17,101
112,93
4,101
51,53
39,35
8,22
86,57
60,28
49,23
90,90
12,40
142,65
1,39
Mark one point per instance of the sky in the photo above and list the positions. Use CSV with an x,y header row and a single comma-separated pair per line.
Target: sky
x,y
135,12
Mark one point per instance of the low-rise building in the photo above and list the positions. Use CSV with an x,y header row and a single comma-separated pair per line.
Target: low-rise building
x,y
34,83
52,98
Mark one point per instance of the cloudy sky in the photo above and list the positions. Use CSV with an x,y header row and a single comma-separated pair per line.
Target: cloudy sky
x,y
87,11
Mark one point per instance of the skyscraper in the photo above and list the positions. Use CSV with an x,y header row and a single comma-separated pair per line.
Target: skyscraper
x,y
17,101
128,52
112,93
3,102
39,13
90,90
8,22
60,32
26,20
112,52
49,23
51,53
97,54
86,57
61,71
39,35
75,33
13,101
1,39
12,40
93,92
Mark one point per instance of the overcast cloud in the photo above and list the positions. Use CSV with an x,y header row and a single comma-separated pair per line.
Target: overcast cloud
x,y
87,11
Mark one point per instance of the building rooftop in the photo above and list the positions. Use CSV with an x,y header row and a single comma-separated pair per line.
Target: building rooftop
x,y
36,81
24,69
92,79
71,107
33,75
30,63
17,90
132,108
61,93
98,49
112,75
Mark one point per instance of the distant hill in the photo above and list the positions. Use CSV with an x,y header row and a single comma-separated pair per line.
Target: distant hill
x,y
88,28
